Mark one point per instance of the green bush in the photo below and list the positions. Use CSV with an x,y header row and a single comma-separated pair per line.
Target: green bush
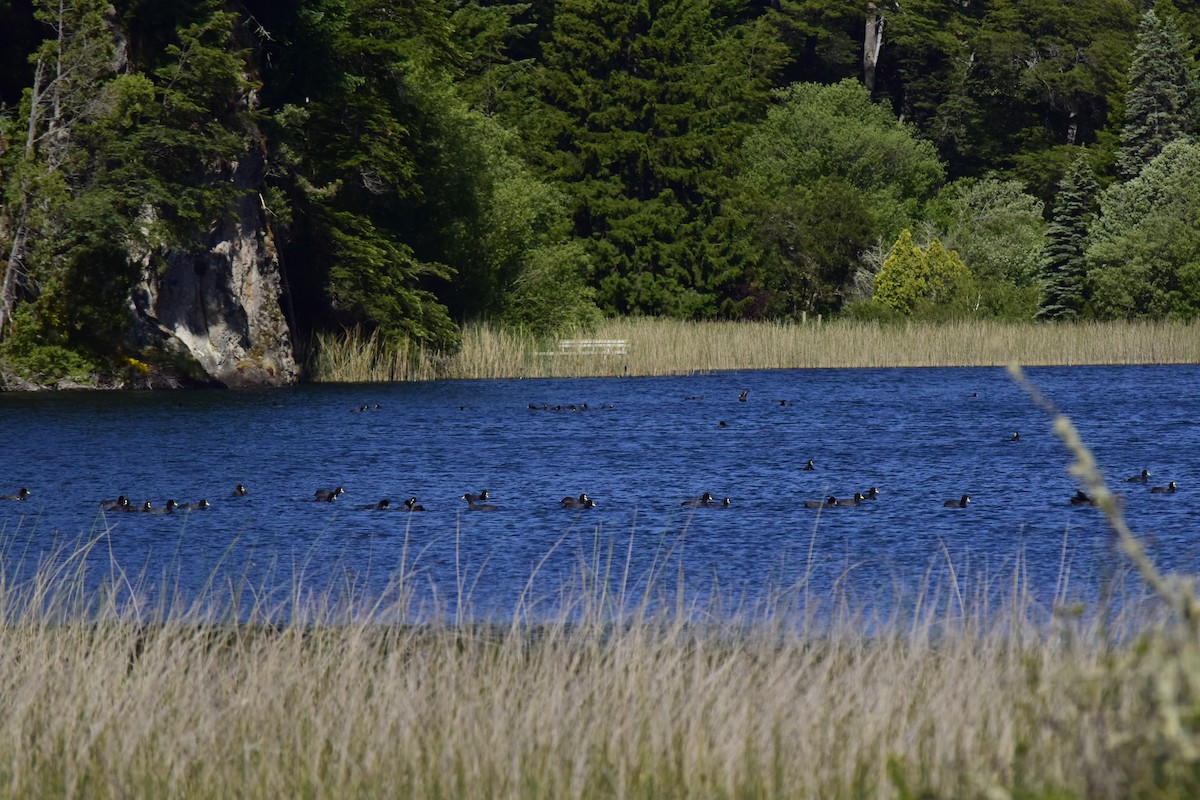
x,y
47,363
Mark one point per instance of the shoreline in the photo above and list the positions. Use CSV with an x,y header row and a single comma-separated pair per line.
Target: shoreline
x,y
649,347
656,347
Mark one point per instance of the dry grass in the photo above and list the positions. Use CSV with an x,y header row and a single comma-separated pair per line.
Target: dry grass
x,y
671,347
958,698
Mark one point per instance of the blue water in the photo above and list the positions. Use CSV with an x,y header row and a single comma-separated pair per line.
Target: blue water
x,y
641,447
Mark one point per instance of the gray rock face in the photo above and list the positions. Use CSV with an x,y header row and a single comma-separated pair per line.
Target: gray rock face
x,y
220,306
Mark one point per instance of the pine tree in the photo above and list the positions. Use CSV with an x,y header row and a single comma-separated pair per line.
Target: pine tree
x,y
364,151
1162,93
1064,265
643,104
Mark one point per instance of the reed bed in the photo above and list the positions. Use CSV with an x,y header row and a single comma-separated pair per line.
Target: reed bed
x,y
673,347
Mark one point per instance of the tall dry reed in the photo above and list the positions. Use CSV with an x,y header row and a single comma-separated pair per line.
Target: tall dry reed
x,y
670,347
793,699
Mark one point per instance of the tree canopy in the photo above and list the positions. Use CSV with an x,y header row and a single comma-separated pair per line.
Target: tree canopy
x,y
1144,250
542,163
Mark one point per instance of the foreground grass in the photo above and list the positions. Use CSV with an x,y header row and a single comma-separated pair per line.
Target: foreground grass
x,y
954,702
667,347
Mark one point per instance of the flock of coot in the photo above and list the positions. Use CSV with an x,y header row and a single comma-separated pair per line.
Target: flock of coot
x,y
479,501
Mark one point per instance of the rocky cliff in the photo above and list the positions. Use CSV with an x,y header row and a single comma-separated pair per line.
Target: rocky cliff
x,y
219,307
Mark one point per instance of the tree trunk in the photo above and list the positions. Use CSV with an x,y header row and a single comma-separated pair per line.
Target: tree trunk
x,y
16,254
63,91
872,45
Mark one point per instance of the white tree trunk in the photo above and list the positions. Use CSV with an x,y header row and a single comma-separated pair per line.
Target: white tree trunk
x,y
64,90
16,254
872,45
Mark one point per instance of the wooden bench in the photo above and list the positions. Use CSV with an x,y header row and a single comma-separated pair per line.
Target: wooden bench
x,y
593,347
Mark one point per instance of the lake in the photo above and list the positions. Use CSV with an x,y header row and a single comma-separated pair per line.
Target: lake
x,y
639,447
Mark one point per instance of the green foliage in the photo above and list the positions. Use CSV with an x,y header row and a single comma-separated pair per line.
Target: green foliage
x,y
995,227
373,277
1064,266
38,163
535,162
1145,247
901,282
642,105
1046,75
170,138
41,363
484,35
998,231
912,277
376,169
1042,172
810,238
1005,300
924,53
813,131
549,296
38,349
113,147
1163,92
500,225
824,175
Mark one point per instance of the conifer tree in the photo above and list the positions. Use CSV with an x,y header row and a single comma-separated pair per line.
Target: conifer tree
x,y
911,276
947,274
70,62
363,151
1162,93
642,105
901,281
1064,266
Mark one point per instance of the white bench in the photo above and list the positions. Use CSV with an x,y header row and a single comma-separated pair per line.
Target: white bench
x,y
593,347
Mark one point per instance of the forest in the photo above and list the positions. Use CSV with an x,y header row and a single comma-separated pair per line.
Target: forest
x,y
419,165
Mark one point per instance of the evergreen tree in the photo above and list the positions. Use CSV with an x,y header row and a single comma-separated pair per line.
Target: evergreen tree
x,y
1064,266
1042,78
912,277
124,164
1162,93
643,104
363,148
486,33
948,275
901,283
70,63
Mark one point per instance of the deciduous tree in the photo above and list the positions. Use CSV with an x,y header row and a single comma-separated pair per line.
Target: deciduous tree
x,y
826,173
1144,248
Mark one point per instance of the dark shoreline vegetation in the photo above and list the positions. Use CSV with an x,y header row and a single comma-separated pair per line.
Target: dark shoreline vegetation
x,y
193,194
975,689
